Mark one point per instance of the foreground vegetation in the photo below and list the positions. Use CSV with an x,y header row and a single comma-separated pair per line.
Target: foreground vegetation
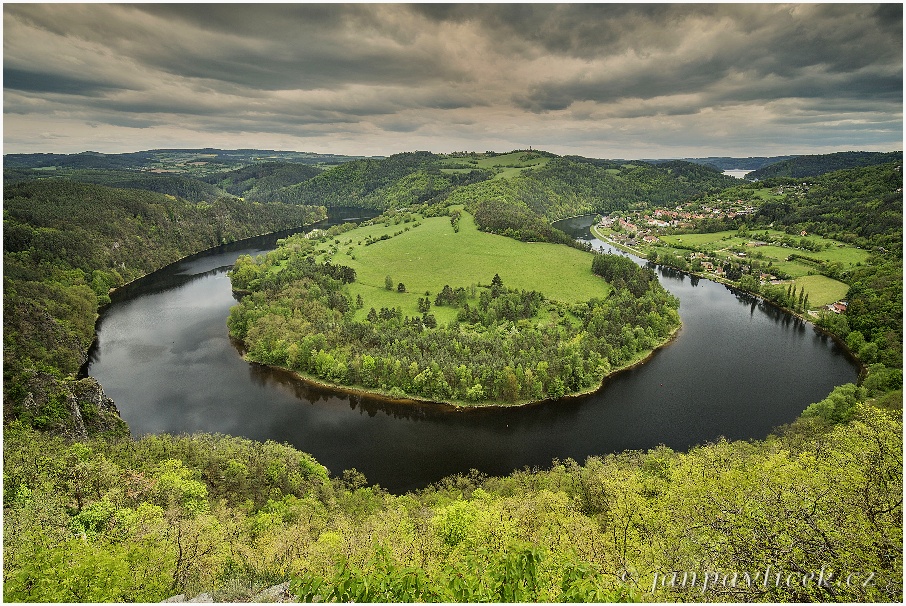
x,y
819,504
540,327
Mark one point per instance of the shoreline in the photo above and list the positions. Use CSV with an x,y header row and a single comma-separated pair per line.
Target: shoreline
x,y
457,405
83,368
805,317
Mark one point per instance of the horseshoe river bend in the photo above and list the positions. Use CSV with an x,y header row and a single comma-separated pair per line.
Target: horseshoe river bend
x,y
737,369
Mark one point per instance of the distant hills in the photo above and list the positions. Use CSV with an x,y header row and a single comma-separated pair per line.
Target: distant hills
x,y
191,174
812,166
727,163
171,160
551,186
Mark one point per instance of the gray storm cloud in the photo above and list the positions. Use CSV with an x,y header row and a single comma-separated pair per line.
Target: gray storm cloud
x,y
600,80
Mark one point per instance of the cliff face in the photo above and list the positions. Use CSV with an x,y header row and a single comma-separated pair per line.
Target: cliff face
x,y
74,408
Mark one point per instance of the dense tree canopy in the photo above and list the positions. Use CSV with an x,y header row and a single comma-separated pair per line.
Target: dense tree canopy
x,y
813,165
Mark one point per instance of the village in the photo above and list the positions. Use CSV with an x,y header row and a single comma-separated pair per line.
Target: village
x,y
656,235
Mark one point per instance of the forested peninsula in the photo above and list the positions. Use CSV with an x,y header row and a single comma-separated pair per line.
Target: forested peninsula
x,y
811,513
521,334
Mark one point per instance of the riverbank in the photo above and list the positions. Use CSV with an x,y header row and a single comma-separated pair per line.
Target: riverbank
x,y
111,293
457,405
806,316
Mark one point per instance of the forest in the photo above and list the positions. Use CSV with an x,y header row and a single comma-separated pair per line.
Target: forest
x,y
811,513
814,165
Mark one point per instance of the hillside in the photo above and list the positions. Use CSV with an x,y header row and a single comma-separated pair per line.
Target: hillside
x,y
59,263
394,182
723,163
182,186
263,182
571,186
813,165
551,186
171,160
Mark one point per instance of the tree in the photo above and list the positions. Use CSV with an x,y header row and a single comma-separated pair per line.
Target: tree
x,y
401,287
388,283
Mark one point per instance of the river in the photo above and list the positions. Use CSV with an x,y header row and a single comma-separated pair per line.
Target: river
x,y
738,368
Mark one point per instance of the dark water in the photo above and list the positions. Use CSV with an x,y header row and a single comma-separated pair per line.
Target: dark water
x,y
737,369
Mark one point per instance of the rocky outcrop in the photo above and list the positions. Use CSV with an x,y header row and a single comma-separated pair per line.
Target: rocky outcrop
x,y
276,594
74,408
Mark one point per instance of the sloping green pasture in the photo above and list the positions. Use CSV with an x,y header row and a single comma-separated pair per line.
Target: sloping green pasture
x,y
821,290
429,256
506,165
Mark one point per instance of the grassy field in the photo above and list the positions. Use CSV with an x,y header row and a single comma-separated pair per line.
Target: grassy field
x,y
506,165
837,253
821,290
766,193
427,257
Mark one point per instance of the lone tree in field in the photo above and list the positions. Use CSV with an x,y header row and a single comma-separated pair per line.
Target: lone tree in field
x,y
388,283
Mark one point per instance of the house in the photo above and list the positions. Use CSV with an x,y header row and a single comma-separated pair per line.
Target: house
x,y
838,308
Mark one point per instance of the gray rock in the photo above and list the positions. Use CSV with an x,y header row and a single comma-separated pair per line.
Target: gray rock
x,y
277,593
202,598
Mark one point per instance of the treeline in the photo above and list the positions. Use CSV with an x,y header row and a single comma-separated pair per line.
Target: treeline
x,y
263,182
814,165
141,520
65,245
503,347
723,163
188,188
83,160
571,186
210,156
517,222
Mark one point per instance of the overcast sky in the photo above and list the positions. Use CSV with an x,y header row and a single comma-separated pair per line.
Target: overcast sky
x,y
607,81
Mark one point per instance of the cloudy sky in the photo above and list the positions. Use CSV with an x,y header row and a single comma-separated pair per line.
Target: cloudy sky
x,y
610,81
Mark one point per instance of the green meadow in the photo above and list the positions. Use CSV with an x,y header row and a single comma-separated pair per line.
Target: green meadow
x,y
431,255
505,165
821,290
838,252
